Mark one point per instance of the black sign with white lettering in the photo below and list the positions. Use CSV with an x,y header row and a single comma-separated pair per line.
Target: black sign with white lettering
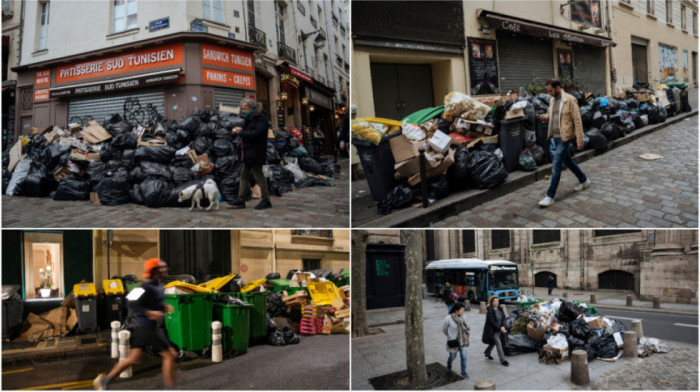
x,y
112,86
483,66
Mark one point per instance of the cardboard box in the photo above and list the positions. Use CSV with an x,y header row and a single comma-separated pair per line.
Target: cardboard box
x,y
407,168
342,313
61,173
298,294
155,142
54,134
403,149
39,131
662,98
437,169
595,322
514,114
74,128
440,142
229,109
94,133
15,155
564,352
94,198
536,333
193,155
85,155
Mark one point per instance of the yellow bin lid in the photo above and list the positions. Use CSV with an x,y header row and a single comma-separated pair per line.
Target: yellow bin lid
x,y
113,286
250,286
217,283
84,289
193,287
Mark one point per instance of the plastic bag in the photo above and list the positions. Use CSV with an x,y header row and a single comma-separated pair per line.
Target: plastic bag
x,y
119,127
272,155
485,170
154,154
18,175
155,192
458,172
114,190
181,175
52,155
663,114
598,120
575,343
530,138
597,140
611,131
281,180
580,328
72,189
231,122
222,133
299,174
568,312
152,169
312,181
125,141
438,189
201,145
400,196
558,341
412,131
526,161
310,165
519,344
190,124
36,183
538,153
290,337
221,148
228,186
586,115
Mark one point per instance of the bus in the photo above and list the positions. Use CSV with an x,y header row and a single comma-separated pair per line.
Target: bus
x,y
474,279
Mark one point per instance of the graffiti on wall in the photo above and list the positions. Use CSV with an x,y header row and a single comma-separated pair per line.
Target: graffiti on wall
x,y
668,63
685,66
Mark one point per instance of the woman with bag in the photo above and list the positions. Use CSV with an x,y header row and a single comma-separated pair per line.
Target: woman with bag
x,y
494,330
457,331
447,295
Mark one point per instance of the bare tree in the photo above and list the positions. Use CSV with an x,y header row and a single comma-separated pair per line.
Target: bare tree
x,y
415,352
358,283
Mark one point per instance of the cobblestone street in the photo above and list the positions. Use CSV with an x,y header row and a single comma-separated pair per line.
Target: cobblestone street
x,y
627,190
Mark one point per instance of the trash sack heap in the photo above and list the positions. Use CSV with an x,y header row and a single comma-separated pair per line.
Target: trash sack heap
x,y
117,162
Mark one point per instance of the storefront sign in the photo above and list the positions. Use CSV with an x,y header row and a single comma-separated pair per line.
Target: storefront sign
x,y
41,94
118,85
518,26
280,113
164,55
305,77
586,12
668,63
285,77
318,98
227,57
42,78
158,24
229,79
483,66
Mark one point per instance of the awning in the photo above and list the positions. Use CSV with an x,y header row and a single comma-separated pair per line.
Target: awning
x,y
520,26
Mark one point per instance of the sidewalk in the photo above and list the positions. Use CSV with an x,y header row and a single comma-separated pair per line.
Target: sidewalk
x,y
58,348
384,353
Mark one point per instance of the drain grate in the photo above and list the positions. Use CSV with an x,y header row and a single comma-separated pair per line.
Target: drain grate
x,y
438,376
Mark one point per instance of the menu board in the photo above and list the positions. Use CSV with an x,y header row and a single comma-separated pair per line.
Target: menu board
x,y
483,66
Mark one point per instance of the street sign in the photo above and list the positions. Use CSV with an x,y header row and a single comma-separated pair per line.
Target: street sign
x,y
158,24
244,268
199,27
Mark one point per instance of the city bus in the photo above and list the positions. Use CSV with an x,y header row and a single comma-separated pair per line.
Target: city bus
x,y
474,279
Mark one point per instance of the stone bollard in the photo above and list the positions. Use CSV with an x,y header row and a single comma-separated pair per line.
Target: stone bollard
x,y
579,367
484,385
115,338
629,301
217,354
482,307
629,348
657,303
467,306
592,299
124,347
566,295
637,327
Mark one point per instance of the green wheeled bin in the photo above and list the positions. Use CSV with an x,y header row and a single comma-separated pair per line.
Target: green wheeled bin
x,y
258,314
189,325
235,320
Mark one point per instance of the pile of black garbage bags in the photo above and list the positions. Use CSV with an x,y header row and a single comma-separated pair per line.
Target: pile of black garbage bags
x,y
276,308
154,175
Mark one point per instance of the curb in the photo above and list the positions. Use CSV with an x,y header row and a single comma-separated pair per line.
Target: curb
x,y
463,201
646,310
50,354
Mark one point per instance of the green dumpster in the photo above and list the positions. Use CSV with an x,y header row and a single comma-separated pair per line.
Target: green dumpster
x,y
279,285
258,314
235,320
189,326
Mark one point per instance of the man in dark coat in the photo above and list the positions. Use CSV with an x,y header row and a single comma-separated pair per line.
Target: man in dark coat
x,y
254,142
494,330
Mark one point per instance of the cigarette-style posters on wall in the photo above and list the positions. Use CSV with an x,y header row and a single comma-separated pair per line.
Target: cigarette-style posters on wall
x,y
483,66
586,12
668,63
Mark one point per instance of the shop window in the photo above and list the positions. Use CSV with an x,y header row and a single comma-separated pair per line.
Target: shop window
x,y
500,239
124,15
468,241
311,264
43,25
213,10
43,265
669,11
545,236
605,233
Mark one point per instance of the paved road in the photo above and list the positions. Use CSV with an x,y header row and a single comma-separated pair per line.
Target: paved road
x,y
627,191
318,363
321,206
663,326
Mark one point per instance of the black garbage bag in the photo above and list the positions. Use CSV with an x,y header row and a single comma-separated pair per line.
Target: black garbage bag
x,y
111,119
202,131
607,348
618,326
519,344
539,106
221,148
154,154
190,124
530,138
230,122
6,177
201,145
53,155
171,140
564,330
614,105
652,112
615,118
125,141
149,169
610,131
222,133
580,97
623,105
400,196
72,189
529,112
598,120
275,307
438,188
586,116
290,337
575,343
276,338
155,192
183,136
119,127
580,328
508,323
628,126
181,175
228,186
37,183
485,169
114,189
311,165
181,161
637,119
281,178
224,165
127,160
272,155
312,181
663,114
597,140
458,172
632,103
538,153
526,161
443,125
543,98
568,312
109,152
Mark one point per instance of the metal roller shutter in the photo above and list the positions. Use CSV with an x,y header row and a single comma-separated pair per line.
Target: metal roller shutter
x,y
590,68
102,106
228,96
523,60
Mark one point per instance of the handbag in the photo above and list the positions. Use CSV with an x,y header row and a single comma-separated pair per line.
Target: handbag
x,y
454,343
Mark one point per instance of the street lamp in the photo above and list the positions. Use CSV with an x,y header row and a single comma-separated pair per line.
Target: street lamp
x,y
318,41
304,101
312,108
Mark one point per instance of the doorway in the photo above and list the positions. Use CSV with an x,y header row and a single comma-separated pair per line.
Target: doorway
x,y
43,265
639,63
695,68
401,89
196,252
386,276
616,280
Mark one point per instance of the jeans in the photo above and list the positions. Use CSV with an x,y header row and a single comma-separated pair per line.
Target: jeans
x,y
259,179
463,358
560,155
499,347
549,290
449,307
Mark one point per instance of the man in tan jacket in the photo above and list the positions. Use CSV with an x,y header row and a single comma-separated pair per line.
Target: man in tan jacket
x,y
564,125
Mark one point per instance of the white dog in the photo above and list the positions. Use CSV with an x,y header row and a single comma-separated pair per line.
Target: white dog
x,y
196,192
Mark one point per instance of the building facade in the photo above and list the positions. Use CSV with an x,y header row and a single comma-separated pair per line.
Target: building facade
x,y
176,59
11,16
96,255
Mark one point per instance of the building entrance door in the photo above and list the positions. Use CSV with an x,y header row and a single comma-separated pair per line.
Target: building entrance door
x,y
639,63
401,89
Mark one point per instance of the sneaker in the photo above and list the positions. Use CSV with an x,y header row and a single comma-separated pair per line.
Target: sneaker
x,y
237,203
263,204
583,185
465,375
546,202
488,356
101,382
504,363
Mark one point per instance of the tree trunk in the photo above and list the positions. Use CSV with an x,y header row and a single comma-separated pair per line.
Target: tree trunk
x,y
358,283
415,352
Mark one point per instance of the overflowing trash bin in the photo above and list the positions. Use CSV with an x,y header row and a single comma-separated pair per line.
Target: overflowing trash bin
x,y
378,165
189,325
12,311
258,312
86,306
235,320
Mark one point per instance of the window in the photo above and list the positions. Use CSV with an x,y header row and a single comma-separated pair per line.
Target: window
x,y
604,233
650,7
251,13
669,11
280,11
311,264
314,233
468,241
500,239
695,23
43,265
124,15
6,7
683,26
213,10
43,25
545,236
625,2
236,14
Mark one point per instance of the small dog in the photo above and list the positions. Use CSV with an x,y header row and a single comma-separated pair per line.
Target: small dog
x,y
196,192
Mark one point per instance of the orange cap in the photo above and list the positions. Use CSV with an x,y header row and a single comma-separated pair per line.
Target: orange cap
x,y
149,265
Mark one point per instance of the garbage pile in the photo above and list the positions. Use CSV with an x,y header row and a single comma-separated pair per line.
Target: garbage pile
x,y
119,163
471,145
555,328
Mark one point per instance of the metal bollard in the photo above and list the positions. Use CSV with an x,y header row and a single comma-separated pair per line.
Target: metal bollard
x,y
579,367
592,299
484,385
657,303
629,348
124,347
637,327
217,354
115,338
566,295
423,175
482,307
629,301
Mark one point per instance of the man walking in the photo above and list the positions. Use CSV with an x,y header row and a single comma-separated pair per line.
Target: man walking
x,y
564,125
550,284
146,304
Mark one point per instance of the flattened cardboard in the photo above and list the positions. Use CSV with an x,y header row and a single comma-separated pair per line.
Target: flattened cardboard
x,y
61,173
436,170
84,155
156,142
16,155
229,109
564,352
403,149
536,333
94,133
514,114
